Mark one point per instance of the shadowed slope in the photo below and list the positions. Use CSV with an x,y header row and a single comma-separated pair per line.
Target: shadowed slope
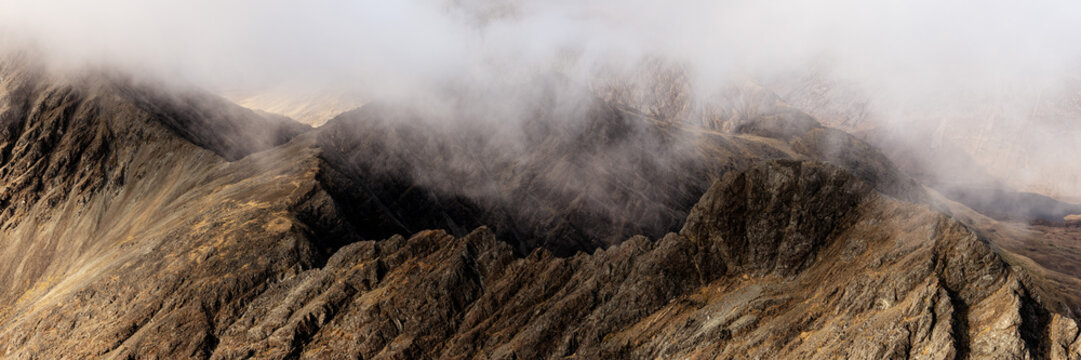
x,y
853,274
568,180
131,228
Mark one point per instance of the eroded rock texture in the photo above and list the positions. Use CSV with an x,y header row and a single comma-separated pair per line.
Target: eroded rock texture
x,y
878,279
139,223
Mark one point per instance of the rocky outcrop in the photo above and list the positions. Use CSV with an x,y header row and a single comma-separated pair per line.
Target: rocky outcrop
x,y
881,279
135,225
774,218
885,279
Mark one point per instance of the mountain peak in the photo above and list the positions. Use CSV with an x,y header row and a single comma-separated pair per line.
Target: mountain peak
x,y
139,220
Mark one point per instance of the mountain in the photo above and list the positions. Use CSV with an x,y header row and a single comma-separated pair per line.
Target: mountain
x,y
990,159
314,108
142,221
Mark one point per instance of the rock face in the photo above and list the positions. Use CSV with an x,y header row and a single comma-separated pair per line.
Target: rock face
x,y
142,223
606,174
882,279
774,218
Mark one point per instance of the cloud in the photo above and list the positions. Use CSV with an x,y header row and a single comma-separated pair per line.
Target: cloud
x,y
895,44
919,63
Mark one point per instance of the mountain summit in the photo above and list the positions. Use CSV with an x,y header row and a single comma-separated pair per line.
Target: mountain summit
x,y
140,221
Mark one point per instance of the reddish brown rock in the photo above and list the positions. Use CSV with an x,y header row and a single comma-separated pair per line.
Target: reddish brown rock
x,y
134,223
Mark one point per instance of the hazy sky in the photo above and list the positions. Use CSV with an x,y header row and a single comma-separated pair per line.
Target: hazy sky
x,y
919,61
895,44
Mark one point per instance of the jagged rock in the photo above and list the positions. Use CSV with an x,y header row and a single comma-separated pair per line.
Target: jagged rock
x,y
923,286
774,218
129,229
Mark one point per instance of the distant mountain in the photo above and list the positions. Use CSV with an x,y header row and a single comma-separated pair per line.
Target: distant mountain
x,y
981,159
313,108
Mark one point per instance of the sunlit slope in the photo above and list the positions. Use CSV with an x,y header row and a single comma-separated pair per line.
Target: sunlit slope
x,y
138,222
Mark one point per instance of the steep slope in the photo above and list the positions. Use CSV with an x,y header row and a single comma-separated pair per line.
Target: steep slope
x,y
142,223
109,209
591,177
784,260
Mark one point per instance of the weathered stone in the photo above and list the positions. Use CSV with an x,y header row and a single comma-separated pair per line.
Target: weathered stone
x,y
131,226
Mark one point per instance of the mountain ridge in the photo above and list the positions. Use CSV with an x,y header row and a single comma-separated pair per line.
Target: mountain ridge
x,y
139,226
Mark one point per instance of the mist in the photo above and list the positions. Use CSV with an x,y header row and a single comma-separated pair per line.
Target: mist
x,y
998,78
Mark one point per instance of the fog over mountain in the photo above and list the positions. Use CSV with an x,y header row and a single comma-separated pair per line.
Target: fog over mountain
x,y
988,71
523,179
